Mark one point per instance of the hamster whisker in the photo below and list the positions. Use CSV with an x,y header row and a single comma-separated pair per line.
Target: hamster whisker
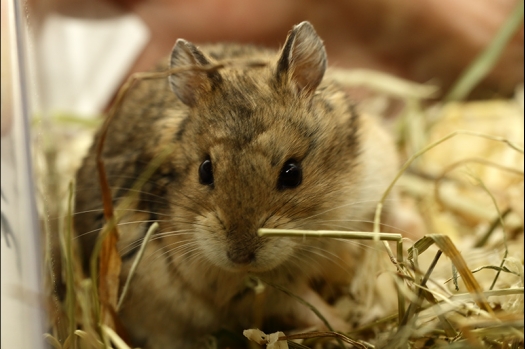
x,y
340,207
321,271
141,211
322,249
101,210
326,254
304,264
118,225
351,226
322,225
166,201
192,199
126,190
175,221
364,245
183,242
139,241
166,256
174,233
187,252
304,256
184,245
195,259
272,214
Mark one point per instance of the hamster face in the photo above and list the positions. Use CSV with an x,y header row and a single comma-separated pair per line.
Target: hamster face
x,y
263,147
274,163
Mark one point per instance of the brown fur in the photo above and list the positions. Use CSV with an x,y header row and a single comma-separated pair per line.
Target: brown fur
x,y
249,122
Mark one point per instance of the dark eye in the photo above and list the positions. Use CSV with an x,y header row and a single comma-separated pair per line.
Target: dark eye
x,y
206,172
291,175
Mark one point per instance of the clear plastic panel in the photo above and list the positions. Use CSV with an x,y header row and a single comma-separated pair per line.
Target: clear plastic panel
x,y
22,299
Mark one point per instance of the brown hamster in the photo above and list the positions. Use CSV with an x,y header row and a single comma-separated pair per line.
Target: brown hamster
x,y
274,147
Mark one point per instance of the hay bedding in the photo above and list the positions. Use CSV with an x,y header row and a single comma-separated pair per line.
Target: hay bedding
x,y
459,286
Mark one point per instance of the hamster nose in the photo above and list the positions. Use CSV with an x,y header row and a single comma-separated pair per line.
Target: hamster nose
x,y
241,257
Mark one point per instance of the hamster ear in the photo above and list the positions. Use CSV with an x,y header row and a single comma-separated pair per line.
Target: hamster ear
x,y
189,84
303,59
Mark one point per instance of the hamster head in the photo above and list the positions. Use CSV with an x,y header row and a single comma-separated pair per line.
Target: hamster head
x,y
266,147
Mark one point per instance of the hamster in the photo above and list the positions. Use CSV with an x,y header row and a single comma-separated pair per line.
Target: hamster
x,y
275,146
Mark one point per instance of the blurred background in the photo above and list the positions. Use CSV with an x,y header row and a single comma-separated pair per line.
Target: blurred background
x,y
90,47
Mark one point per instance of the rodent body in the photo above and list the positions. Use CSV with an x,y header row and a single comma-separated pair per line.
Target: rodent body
x,y
273,146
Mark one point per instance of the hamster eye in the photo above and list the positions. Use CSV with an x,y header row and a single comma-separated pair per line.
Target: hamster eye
x,y
206,172
291,175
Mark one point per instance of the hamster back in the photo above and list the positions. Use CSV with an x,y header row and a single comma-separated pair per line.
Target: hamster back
x,y
271,146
